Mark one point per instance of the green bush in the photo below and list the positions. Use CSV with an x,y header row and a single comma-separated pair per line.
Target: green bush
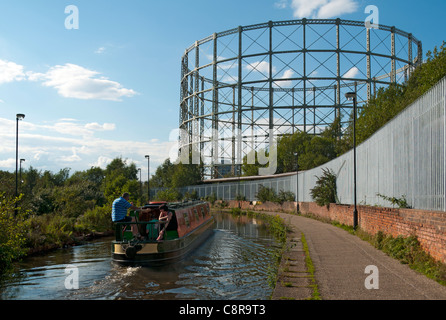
x,y
95,220
169,195
408,251
325,191
211,198
266,194
49,230
285,196
13,231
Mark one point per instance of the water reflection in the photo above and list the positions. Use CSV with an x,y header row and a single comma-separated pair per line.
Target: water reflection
x,y
233,264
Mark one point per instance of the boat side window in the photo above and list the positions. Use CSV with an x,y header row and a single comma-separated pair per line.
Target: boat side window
x,y
202,212
186,218
196,215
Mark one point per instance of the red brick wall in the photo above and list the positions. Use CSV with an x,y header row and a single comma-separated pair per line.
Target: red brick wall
x,y
428,226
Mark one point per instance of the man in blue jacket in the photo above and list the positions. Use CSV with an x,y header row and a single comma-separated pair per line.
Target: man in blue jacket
x,y
119,211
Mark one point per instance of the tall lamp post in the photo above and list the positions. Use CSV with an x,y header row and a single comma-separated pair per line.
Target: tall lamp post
x,y
20,170
352,96
148,178
18,118
297,182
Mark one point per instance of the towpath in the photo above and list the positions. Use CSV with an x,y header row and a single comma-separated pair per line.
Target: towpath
x,y
344,267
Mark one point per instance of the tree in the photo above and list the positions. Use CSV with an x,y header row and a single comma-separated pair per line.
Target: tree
x,y
163,175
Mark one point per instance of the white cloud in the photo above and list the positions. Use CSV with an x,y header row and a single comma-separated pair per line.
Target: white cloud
x,y
72,158
322,9
73,81
72,143
260,66
286,75
100,50
9,163
98,127
352,73
281,4
10,72
336,8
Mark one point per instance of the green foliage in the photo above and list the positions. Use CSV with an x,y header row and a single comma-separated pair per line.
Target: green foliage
x,y
172,176
325,191
211,198
390,101
193,195
251,165
400,202
169,195
49,230
268,194
13,230
409,251
95,220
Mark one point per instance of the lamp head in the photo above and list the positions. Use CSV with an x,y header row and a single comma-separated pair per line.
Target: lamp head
x,y
20,116
147,157
350,95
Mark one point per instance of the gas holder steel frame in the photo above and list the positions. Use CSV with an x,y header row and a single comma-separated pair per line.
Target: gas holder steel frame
x,y
242,85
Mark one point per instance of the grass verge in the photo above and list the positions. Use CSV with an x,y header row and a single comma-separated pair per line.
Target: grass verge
x,y
310,269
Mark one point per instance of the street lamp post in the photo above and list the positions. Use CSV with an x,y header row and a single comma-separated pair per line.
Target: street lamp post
x,y
352,96
297,182
18,118
148,178
20,170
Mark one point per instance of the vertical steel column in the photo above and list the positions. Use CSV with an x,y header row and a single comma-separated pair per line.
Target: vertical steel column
x,y
410,55
202,140
369,68
314,113
304,52
393,72
271,91
214,134
183,92
233,166
240,102
184,133
250,153
420,54
196,116
338,67
294,109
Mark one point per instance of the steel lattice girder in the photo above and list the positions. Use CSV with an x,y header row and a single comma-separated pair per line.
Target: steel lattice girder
x,y
284,76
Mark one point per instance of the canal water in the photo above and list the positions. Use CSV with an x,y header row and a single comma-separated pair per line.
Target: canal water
x,y
234,263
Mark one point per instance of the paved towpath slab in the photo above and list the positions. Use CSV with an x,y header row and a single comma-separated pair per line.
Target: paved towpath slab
x,y
340,260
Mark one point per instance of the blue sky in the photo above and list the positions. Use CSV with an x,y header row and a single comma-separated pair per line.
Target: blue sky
x,y
111,87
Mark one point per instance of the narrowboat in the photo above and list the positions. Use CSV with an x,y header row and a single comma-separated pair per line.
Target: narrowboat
x,y
191,224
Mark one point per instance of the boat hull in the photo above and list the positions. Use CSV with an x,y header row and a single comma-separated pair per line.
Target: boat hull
x,y
150,253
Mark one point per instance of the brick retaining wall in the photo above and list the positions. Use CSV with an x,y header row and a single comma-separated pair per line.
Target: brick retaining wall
x,y
428,226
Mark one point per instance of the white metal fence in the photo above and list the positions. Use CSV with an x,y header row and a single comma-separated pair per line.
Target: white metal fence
x,y
404,158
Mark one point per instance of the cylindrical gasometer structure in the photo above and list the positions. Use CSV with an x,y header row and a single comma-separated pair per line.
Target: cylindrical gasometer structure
x,y
242,88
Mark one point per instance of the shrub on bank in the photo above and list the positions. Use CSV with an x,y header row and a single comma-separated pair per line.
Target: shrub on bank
x,y
13,230
95,220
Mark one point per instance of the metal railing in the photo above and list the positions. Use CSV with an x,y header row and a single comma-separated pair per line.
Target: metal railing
x,y
406,157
